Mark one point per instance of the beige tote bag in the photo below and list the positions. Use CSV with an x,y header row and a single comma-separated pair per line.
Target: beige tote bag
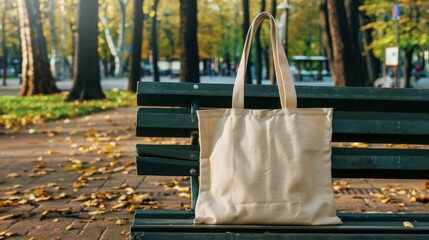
x,y
266,166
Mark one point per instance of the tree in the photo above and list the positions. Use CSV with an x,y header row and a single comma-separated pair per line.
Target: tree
x,y
54,62
271,73
116,51
36,75
86,85
189,67
258,66
413,34
346,68
136,48
3,42
245,27
154,42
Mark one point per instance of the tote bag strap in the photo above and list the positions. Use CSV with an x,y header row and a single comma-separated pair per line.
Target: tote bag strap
x,y
284,78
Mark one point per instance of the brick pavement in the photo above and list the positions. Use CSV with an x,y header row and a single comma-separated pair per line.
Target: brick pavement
x,y
104,144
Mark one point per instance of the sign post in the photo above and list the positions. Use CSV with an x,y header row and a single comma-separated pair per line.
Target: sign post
x,y
396,14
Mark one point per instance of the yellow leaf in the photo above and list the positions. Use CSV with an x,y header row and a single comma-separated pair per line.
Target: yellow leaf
x,y
379,195
386,200
71,226
185,195
6,234
408,224
12,175
129,190
97,212
120,205
11,193
359,145
120,222
31,131
50,152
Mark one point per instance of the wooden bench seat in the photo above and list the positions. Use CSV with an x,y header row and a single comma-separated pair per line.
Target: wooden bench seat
x,y
369,115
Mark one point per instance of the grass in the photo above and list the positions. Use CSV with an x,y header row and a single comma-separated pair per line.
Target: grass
x,y
21,111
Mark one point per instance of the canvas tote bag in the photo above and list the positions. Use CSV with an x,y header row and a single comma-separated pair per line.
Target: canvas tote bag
x,y
266,166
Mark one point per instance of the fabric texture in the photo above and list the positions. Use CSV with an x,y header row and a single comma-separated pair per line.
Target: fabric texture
x,y
266,166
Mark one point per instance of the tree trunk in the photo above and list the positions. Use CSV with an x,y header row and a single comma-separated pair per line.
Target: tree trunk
x,y
3,42
136,48
189,60
408,67
258,66
86,85
245,28
116,51
36,75
73,50
121,39
154,42
346,65
325,29
63,57
54,61
272,74
372,64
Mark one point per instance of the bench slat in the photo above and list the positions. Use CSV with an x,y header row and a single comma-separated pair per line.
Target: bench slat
x,y
266,96
347,126
166,166
367,226
346,217
178,160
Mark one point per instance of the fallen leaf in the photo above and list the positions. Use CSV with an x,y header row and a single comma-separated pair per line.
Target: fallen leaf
x,y
11,193
379,195
12,175
121,222
6,234
50,152
97,212
386,200
120,205
185,195
359,145
71,226
129,191
408,224
11,216
82,197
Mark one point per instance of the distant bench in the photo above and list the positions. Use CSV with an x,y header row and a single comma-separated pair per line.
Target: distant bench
x,y
371,115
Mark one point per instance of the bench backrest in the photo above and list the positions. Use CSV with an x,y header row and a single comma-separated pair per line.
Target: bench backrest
x,y
364,115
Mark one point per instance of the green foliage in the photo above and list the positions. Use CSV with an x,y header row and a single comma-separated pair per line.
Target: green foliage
x,y
413,25
304,28
21,111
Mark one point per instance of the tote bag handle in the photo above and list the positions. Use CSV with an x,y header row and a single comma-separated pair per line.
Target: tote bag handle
x,y
284,78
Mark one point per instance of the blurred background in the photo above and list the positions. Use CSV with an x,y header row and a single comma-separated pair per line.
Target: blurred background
x,y
327,42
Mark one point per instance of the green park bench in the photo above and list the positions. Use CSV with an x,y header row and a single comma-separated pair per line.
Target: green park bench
x,y
371,115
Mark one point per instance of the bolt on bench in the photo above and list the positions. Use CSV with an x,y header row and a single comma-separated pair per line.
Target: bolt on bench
x,y
371,115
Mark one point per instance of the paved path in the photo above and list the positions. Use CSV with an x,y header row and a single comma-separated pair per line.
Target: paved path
x,y
32,170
